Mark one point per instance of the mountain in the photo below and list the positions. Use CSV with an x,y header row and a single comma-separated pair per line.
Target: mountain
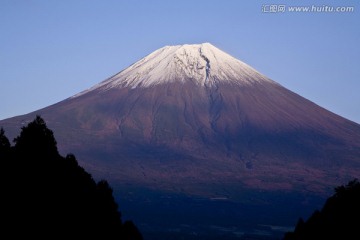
x,y
193,120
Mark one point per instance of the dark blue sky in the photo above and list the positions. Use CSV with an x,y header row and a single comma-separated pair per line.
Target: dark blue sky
x,y
51,50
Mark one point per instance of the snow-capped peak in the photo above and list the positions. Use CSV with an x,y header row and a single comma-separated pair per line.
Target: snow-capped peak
x,y
203,64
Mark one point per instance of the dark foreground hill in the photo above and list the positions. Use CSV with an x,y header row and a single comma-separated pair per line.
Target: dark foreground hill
x,y
338,219
47,196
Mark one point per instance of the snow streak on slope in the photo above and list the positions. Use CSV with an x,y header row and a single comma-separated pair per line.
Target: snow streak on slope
x,y
202,63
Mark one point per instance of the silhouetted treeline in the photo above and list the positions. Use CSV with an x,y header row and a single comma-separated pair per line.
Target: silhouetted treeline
x,y
338,219
47,196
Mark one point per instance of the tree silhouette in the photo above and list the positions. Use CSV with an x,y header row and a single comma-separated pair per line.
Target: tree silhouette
x,y
4,141
338,219
5,149
46,196
36,139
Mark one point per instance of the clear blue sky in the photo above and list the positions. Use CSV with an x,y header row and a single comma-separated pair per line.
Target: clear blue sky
x,y
51,50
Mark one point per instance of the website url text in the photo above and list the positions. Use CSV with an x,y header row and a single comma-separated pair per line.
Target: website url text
x,y
281,8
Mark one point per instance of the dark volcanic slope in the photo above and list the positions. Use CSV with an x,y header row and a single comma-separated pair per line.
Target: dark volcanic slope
x,y
193,119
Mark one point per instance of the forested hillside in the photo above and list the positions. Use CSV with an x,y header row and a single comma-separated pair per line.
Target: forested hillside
x,y
45,195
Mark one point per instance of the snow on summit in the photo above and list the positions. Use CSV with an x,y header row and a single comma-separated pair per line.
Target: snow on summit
x,y
202,63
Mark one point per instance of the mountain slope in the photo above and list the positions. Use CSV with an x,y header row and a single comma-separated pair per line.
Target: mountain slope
x,y
194,112
192,119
